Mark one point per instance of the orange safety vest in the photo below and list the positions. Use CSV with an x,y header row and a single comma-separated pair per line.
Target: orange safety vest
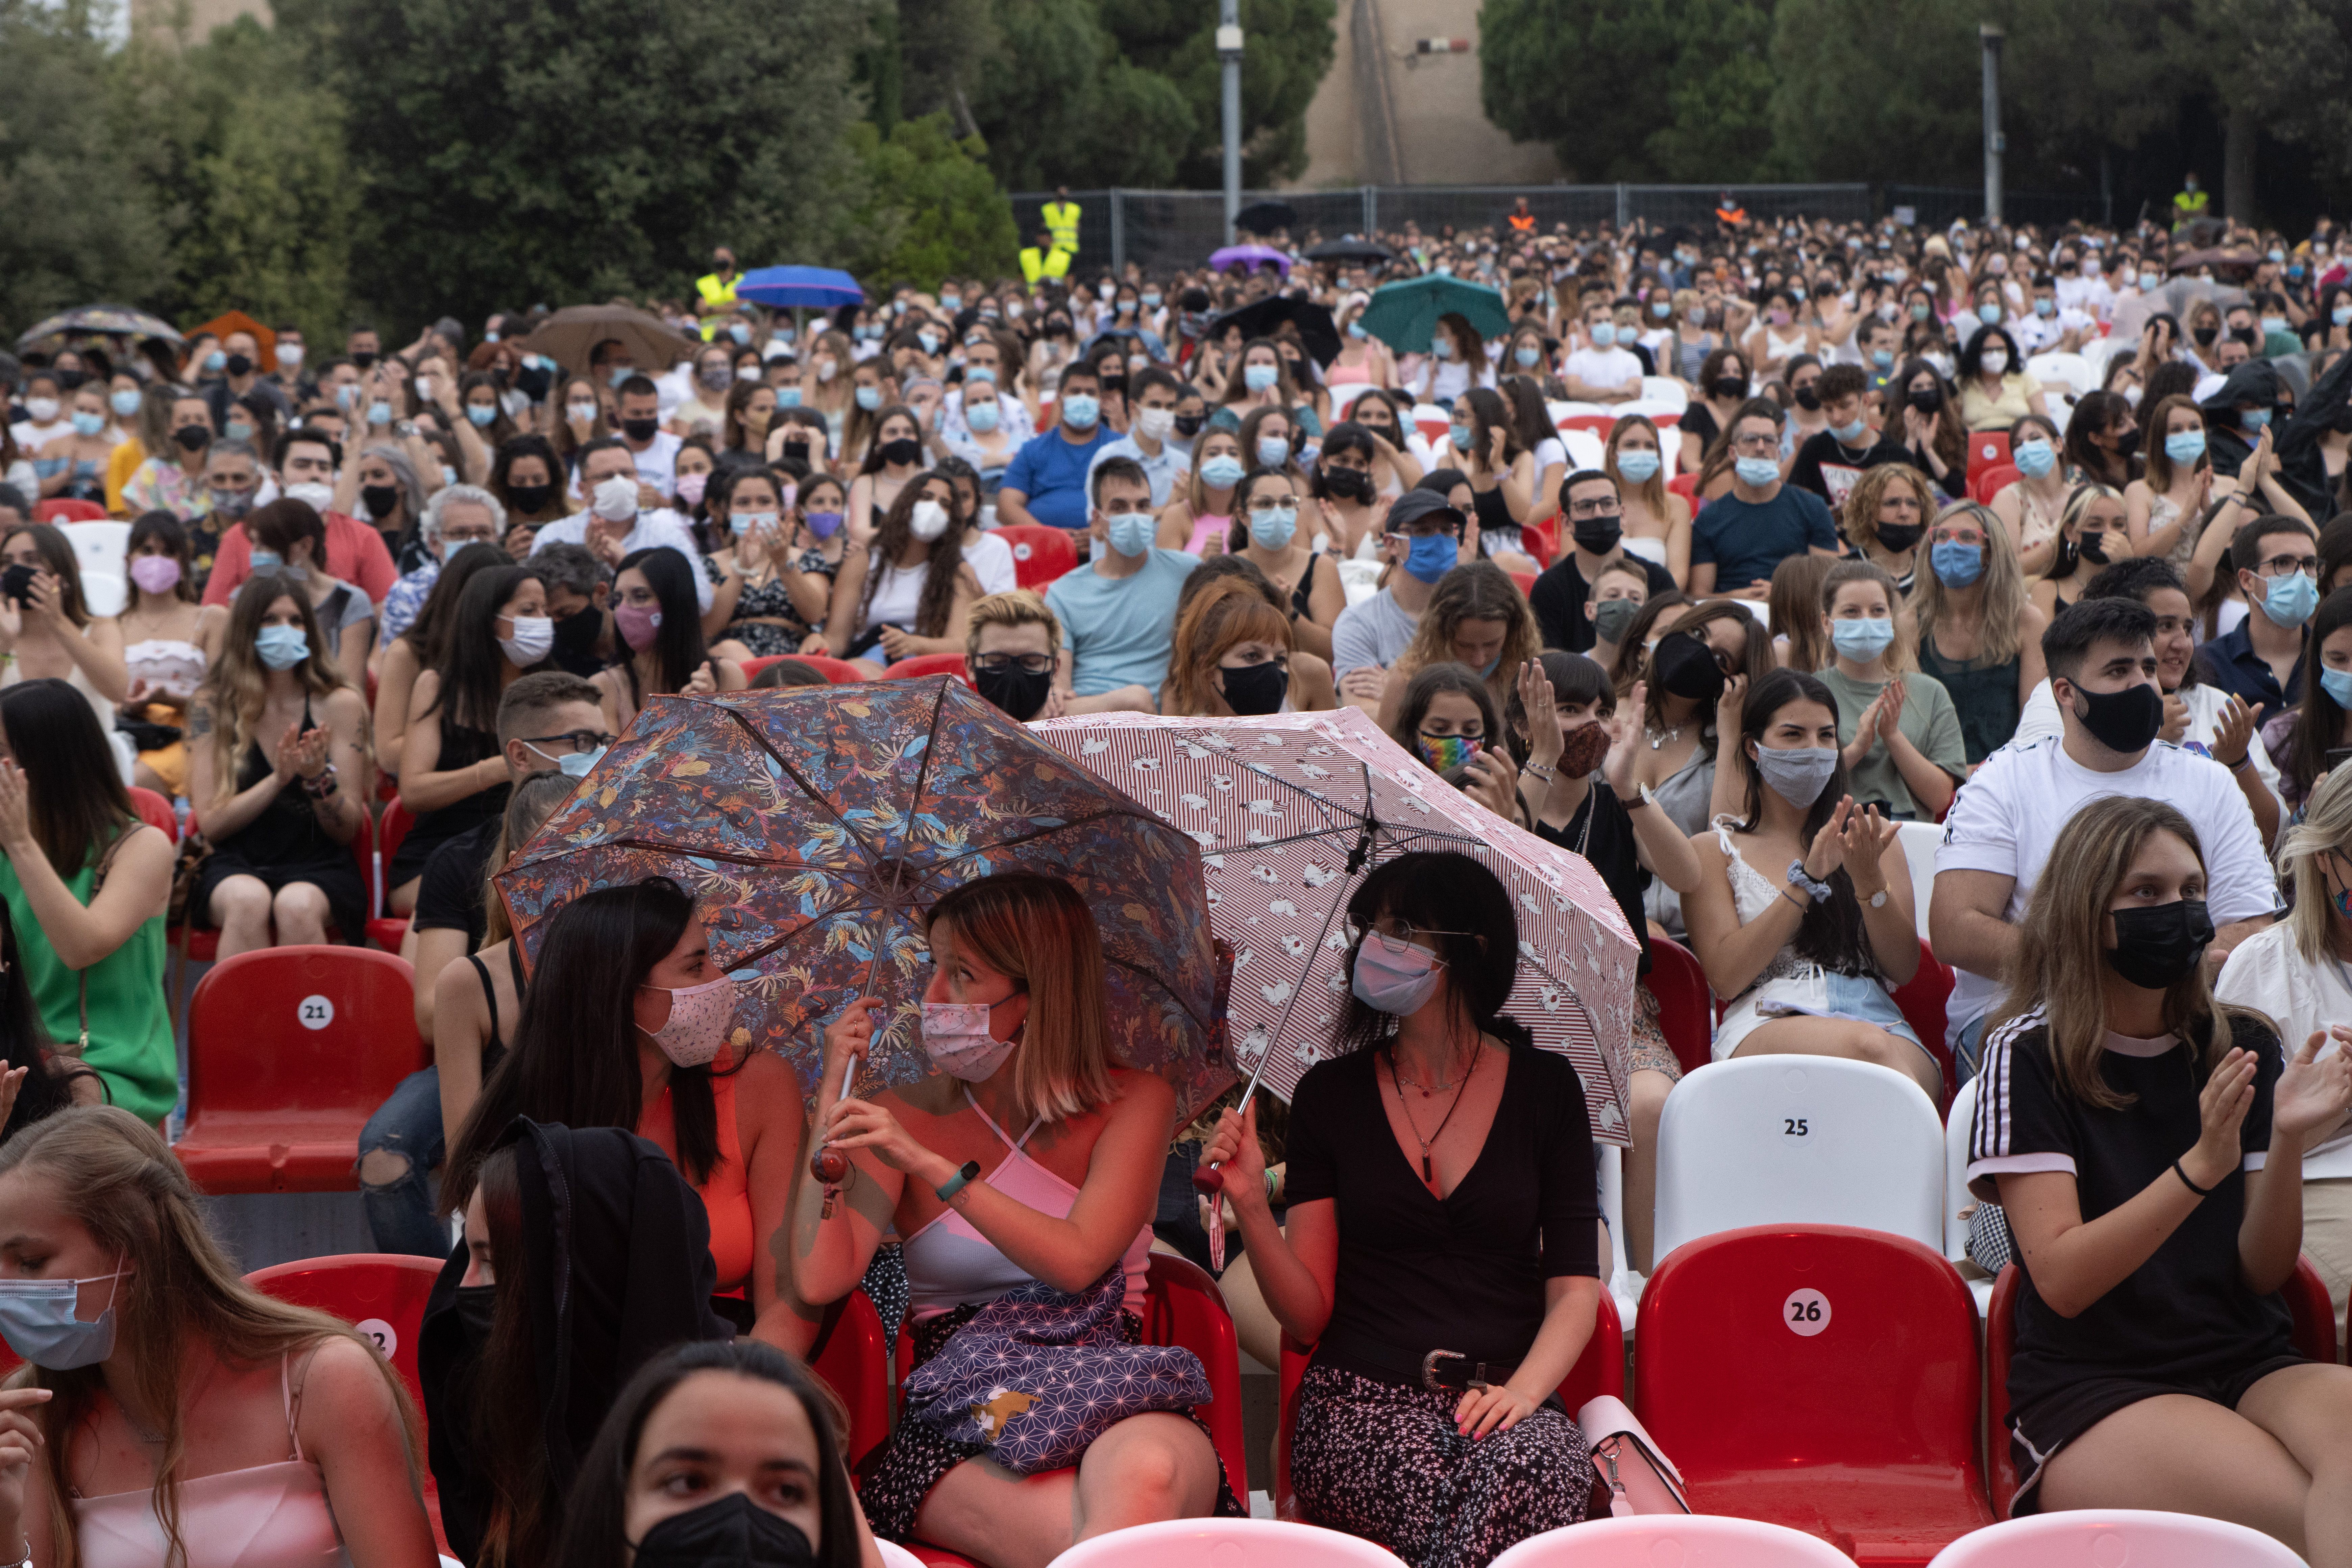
x,y
1524,222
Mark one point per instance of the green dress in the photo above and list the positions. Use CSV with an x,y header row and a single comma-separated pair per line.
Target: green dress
x,y
130,1041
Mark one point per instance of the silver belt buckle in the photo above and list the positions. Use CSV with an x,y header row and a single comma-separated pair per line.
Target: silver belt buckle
x,y
1429,1371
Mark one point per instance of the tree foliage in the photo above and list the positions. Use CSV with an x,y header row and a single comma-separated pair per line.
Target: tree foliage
x,y
1061,106
932,207
1587,75
2295,60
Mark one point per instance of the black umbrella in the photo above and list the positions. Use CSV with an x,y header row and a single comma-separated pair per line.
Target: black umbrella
x,y
1265,217
1316,331
1351,250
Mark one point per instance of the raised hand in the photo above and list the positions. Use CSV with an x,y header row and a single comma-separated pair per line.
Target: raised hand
x,y
1624,740
1865,839
2221,1109
2309,1101
1828,851
2233,735
1727,707
1537,701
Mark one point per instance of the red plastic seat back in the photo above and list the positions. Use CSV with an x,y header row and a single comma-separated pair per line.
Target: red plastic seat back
x,y
1775,1346
1686,486
1983,487
925,663
839,671
1526,582
1540,541
854,1364
1040,553
1599,424
1600,1370
289,1030
1686,1005
65,508
382,1294
155,812
1922,999
1987,448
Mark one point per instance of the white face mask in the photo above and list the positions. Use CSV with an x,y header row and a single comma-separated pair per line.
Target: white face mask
x,y
534,639
1155,423
615,498
928,520
316,496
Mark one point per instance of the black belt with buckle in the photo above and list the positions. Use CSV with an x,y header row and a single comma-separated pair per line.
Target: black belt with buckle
x,y
1437,1371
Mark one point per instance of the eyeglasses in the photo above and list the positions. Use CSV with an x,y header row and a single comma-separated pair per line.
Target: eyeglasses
x,y
578,743
1757,441
1396,935
2279,565
1595,509
998,663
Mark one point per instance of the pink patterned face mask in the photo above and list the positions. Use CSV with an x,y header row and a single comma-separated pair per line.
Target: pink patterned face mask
x,y
698,1017
155,573
639,623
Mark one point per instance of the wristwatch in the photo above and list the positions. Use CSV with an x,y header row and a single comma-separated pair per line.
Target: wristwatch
x,y
1641,798
1877,900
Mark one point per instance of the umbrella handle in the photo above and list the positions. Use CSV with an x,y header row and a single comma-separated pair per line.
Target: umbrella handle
x,y
827,1163
1211,1179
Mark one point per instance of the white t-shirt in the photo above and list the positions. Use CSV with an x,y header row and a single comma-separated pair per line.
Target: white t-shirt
x,y
2007,816
990,559
2266,972
2041,718
657,463
1611,368
652,531
31,437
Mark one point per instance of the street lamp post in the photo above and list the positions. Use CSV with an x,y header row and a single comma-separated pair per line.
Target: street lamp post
x,y
1229,56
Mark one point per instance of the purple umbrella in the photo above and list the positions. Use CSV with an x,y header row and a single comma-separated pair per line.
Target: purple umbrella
x,y
1249,255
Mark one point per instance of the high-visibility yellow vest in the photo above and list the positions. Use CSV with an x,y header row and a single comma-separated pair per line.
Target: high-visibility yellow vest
x,y
1054,262
2187,207
1062,223
718,293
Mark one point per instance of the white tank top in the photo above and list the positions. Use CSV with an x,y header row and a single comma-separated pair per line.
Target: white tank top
x,y
950,1263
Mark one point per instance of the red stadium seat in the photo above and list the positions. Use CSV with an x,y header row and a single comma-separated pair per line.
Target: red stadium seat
x,y
1600,1370
1686,1005
2306,1300
1822,1377
1541,540
840,671
1599,424
1686,486
1182,1307
924,664
1922,1001
63,509
156,812
290,1049
1987,448
1040,553
853,1366
1983,487
1526,582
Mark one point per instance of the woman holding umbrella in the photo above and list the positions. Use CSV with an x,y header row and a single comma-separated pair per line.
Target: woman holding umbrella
x,y
1017,1017
1424,1066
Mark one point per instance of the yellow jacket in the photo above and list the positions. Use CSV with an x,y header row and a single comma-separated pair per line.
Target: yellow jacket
x,y
1062,223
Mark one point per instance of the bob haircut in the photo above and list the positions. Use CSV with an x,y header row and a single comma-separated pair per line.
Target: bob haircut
x,y
2325,829
1038,931
1426,685
1465,907
1227,613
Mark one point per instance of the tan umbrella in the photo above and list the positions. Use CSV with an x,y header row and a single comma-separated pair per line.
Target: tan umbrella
x,y
567,336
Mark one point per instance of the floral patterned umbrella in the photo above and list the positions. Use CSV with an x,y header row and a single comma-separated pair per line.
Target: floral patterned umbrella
x,y
1290,810
814,825
117,320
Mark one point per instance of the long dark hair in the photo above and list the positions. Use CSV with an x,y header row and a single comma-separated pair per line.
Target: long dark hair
x,y
575,1056
1831,933
942,565
471,660
165,528
505,1416
2319,718
679,648
597,1509
1445,894
23,1037
72,784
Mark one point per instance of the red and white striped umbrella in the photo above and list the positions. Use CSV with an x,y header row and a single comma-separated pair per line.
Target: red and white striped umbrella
x,y
1290,811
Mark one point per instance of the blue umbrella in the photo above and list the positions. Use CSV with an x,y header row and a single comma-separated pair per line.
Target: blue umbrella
x,y
1403,315
816,287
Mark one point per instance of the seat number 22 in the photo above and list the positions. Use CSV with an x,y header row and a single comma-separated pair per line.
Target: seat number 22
x,y
1794,1127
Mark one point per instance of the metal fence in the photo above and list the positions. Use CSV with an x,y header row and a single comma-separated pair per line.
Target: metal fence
x,y
1163,230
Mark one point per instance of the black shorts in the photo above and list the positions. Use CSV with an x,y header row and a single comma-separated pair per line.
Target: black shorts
x,y
2058,1418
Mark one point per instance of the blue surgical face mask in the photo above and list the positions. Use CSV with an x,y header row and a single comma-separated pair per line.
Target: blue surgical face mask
x,y
950,303
1356,331
978,372
2034,458
216,361
2338,684
2253,418
1273,528
265,561
869,398
1131,532
1955,565
1461,437
1861,639
1605,333
621,372
2045,307
1757,472
739,332
1432,556
1152,299
483,414
379,413
1080,410
1884,359
1851,435
1527,357
1273,451
1987,314
91,424
2273,324
281,648
2288,601
1638,464
1442,348
36,1318
788,397
126,404
1258,377
1220,471
575,764
2185,446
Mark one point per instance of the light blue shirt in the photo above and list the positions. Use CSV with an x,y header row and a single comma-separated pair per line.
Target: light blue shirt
x,y
1120,630
1160,470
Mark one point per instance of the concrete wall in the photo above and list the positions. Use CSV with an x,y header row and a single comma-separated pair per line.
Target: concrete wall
x,y
1387,114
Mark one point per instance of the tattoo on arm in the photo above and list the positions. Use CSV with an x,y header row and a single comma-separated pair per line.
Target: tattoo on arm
x,y
200,722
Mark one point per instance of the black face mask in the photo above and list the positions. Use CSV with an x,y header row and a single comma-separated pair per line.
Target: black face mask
x,y
1730,388
70,379
1895,538
192,437
1599,535
1256,689
730,1532
533,381
1189,425
2156,946
529,500
476,1306
2126,721
362,359
640,429
1808,398
240,365
576,641
2205,336
1348,484
2094,547
1686,667
379,499
1017,691
797,450
1927,399
903,451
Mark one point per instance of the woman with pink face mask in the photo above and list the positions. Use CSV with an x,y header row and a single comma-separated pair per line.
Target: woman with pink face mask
x,y
657,615
625,1023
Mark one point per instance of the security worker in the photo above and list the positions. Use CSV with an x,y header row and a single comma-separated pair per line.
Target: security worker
x,y
1729,213
2189,205
1522,221
1062,221
1046,258
718,291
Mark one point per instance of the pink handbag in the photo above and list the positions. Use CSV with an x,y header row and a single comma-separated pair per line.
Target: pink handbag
x,y
1626,1465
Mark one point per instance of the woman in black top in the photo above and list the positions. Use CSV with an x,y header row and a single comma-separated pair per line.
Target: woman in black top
x,y
2146,1145
1439,1184
1578,749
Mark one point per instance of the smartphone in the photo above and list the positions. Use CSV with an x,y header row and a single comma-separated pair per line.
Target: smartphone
x,y
2337,754
16,582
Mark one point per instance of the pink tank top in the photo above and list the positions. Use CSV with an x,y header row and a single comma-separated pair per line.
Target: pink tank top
x,y
950,1263
269,1516
1203,527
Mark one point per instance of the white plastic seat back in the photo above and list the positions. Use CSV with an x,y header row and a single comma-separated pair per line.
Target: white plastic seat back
x,y
1957,1128
2112,1538
893,1555
1683,1540
1662,394
2071,371
1585,450
1919,840
104,593
99,547
1777,1140
1344,395
1432,421
1623,1284
1226,1543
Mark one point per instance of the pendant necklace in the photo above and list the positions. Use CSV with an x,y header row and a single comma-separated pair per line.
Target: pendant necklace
x,y
1428,1175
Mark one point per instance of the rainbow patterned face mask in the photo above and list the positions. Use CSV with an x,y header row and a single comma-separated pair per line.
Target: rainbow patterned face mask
x,y
1442,754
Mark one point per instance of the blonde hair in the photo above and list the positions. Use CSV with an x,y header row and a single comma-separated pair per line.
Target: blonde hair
x,y
237,687
1480,591
1038,931
1901,654
2325,828
1013,607
2060,969
1869,493
1653,491
1220,616
2001,634
111,1173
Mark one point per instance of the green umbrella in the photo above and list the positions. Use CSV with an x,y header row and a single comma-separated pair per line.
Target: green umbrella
x,y
1402,315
